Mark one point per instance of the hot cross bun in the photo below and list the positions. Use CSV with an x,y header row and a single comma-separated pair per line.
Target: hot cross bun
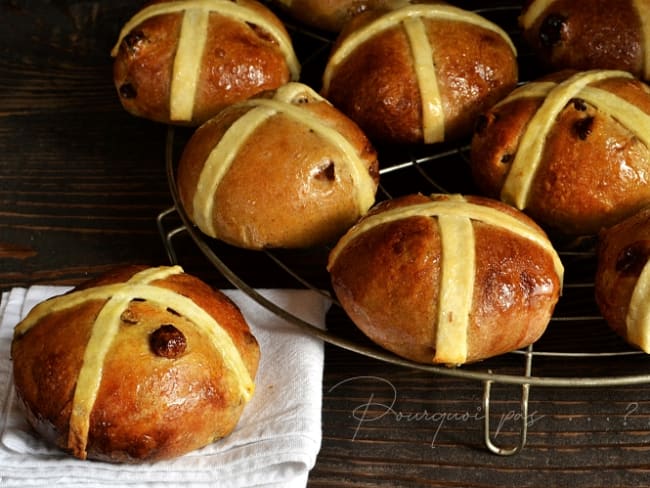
x,y
331,15
137,365
572,150
285,169
180,62
623,278
447,279
419,73
589,34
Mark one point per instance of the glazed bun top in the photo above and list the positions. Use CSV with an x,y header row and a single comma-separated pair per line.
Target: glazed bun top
x,y
435,278
331,15
194,352
181,61
571,149
557,94
419,73
312,169
590,34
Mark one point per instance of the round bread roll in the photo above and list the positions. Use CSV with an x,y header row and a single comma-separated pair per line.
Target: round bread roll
x,y
285,169
138,365
180,62
419,73
590,34
570,149
622,284
331,15
447,279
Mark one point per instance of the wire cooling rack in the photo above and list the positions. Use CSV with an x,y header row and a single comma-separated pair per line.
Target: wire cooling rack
x,y
578,349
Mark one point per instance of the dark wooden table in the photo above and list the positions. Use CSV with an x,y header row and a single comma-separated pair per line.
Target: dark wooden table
x,y
81,186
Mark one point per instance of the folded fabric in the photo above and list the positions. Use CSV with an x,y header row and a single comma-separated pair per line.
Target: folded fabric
x,y
275,443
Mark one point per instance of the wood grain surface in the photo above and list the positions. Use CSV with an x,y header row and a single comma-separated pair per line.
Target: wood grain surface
x,y
81,186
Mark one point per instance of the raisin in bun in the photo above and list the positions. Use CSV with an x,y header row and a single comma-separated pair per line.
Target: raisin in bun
x,y
419,73
571,149
286,169
138,365
330,15
447,279
589,34
180,62
622,283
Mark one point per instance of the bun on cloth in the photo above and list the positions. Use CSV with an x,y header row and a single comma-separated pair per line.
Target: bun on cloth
x,y
140,364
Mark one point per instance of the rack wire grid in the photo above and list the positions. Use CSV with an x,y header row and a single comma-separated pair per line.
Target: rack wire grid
x,y
577,338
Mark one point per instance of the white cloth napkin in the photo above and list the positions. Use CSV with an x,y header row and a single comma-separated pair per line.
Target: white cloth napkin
x,y
274,445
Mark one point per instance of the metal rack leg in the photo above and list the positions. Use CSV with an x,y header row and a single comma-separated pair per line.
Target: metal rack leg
x,y
487,430
168,236
523,430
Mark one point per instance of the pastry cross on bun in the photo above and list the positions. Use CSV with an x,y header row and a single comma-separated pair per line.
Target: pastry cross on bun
x,y
182,61
447,279
139,364
419,73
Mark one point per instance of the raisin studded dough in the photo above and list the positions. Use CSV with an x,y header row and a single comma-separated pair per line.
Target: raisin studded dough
x,y
622,284
180,62
141,364
570,149
589,34
285,169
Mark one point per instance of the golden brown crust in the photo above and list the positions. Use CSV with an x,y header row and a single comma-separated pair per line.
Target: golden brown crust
x,y
369,276
388,280
149,406
377,95
593,34
376,84
239,60
623,251
593,170
330,15
288,185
